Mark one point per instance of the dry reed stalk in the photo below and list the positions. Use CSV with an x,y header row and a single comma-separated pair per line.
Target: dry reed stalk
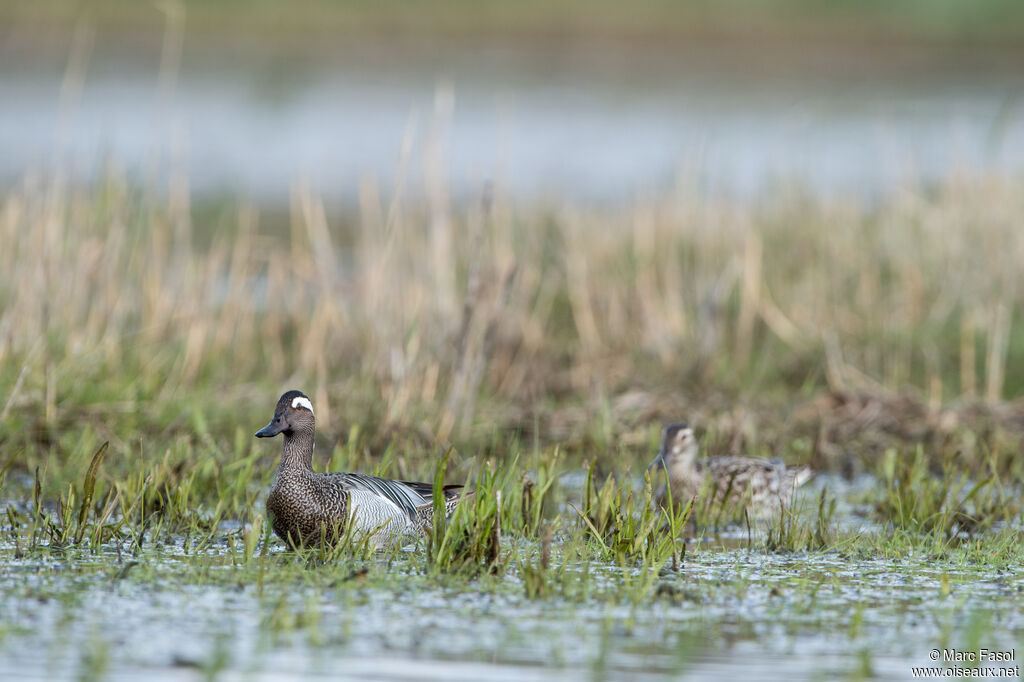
x,y
649,295
750,297
578,284
968,380
570,303
995,362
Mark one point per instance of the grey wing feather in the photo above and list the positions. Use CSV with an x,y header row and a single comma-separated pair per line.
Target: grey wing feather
x,y
408,499
426,490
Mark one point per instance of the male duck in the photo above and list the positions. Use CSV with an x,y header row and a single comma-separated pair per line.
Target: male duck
x,y
308,507
761,485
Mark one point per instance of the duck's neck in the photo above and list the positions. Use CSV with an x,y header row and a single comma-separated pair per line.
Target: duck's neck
x,y
297,452
685,461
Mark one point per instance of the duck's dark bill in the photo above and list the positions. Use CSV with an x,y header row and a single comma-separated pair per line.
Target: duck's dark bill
x,y
271,429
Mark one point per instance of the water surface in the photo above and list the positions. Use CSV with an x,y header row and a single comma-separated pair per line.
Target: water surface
x,y
728,612
587,123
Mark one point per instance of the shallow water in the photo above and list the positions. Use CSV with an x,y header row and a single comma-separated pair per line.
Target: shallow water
x,y
733,613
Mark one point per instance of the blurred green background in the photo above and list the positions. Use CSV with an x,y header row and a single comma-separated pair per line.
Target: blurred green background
x,y
988,23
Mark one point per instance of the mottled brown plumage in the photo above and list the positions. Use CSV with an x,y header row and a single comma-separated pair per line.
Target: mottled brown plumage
x,y
310,508
760,485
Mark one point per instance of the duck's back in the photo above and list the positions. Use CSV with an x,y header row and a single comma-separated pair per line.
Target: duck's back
x,y
763,484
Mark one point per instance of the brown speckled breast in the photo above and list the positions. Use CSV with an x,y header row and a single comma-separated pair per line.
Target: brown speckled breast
x,y
302,513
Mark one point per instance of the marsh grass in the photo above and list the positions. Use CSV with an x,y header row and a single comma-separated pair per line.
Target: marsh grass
x,y
508,348
946,504
790,530
470,539
509,541
628,525
127,320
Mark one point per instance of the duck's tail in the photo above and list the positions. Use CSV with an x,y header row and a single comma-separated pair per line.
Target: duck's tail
x,y
453,495
800,476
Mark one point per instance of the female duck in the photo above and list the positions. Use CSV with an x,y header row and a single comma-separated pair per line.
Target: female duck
x,y
761,485
309,508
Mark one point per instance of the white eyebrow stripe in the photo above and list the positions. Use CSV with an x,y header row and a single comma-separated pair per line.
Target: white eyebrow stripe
x,y
302,401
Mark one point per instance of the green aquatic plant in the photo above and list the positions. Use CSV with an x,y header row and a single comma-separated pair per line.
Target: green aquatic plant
x,y
945,505
791,531
628,525
470,539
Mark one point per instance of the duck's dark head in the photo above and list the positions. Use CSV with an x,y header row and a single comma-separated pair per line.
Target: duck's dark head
x,y
294,411
678,446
